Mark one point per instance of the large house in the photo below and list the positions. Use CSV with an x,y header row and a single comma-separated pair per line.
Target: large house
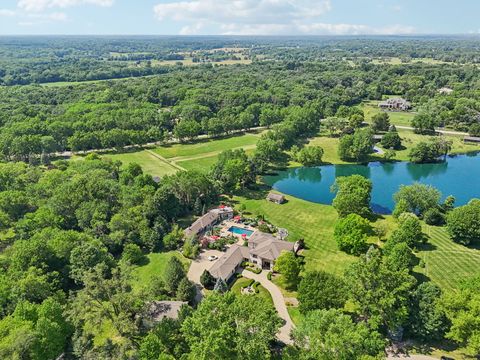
x,y
263,249
208,221
395,104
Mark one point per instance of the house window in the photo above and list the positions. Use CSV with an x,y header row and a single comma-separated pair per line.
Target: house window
x,y
254,256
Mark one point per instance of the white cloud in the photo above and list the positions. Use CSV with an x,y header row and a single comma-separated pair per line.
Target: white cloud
x,y
261,17
7,12
242,11
41,5
36,18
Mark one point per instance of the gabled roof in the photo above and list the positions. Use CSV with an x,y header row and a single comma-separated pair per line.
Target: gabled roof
x,y
275,197
201,223
229,261
268,246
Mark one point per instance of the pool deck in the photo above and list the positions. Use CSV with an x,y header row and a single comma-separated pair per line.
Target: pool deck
x,y
228,224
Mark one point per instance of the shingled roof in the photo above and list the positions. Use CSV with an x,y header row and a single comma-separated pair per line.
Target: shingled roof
x,y
224,266
268,246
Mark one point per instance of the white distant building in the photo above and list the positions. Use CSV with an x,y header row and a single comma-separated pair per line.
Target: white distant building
x,y
445,90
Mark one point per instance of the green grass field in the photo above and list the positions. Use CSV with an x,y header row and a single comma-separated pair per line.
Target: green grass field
x,y
447,263
207,148
310,221
149,163
166,160
155,267
370,108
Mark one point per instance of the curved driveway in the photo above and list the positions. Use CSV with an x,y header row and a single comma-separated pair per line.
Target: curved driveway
x,y
279,302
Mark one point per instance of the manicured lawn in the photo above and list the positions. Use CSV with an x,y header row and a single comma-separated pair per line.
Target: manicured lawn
x,y
447,263
157,263
206,147
201,164
295,314
370,108
263,293
312,222
409,140
149,163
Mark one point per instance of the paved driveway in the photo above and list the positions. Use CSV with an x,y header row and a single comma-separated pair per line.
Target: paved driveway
x,y
279,302
198,266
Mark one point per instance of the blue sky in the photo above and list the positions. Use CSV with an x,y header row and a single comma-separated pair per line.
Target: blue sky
x,y
244,17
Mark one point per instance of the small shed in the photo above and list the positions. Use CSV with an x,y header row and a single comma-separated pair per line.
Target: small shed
x,y
276,198
377,138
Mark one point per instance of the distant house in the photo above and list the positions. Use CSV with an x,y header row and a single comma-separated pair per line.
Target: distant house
x,y
395,104
377,138
208,221
445,90
156,311
263,249
276,198
472,139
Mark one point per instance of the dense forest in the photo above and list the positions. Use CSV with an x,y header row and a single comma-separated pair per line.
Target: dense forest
x,y
187,102
73,233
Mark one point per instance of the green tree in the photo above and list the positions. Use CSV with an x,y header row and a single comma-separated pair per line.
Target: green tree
x,y
289,266
132,254
186,290
356,147
226,326
424,123
353,195
463,223
321,290
461,308
329,334
207,280
379,293
174,274
417,197
391,140
174,238
310,155
380,122
351,234
409,231
427,317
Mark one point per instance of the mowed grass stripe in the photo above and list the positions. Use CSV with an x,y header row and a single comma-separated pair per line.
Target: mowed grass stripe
x,y
448,263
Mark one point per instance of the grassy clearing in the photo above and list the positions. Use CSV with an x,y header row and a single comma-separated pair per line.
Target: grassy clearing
x,y
241,282
155,267
206,147
149,163
447,263
312,222
370,108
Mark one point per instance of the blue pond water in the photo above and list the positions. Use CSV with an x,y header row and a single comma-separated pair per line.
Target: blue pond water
x,y
240,231
458,176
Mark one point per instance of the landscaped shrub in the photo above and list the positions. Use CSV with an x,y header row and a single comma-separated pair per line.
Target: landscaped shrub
x,y
250,283
255,287
269,275
255,270
434,216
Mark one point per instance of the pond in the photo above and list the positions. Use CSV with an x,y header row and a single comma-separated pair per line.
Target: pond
x,y
458,176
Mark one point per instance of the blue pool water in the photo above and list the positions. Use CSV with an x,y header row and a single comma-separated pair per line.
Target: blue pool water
x,y
240,231
458,176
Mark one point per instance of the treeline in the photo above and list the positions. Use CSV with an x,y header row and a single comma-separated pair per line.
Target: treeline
x,y
205,100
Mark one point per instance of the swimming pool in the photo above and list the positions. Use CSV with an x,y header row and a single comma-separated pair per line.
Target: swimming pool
x,y
240,231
